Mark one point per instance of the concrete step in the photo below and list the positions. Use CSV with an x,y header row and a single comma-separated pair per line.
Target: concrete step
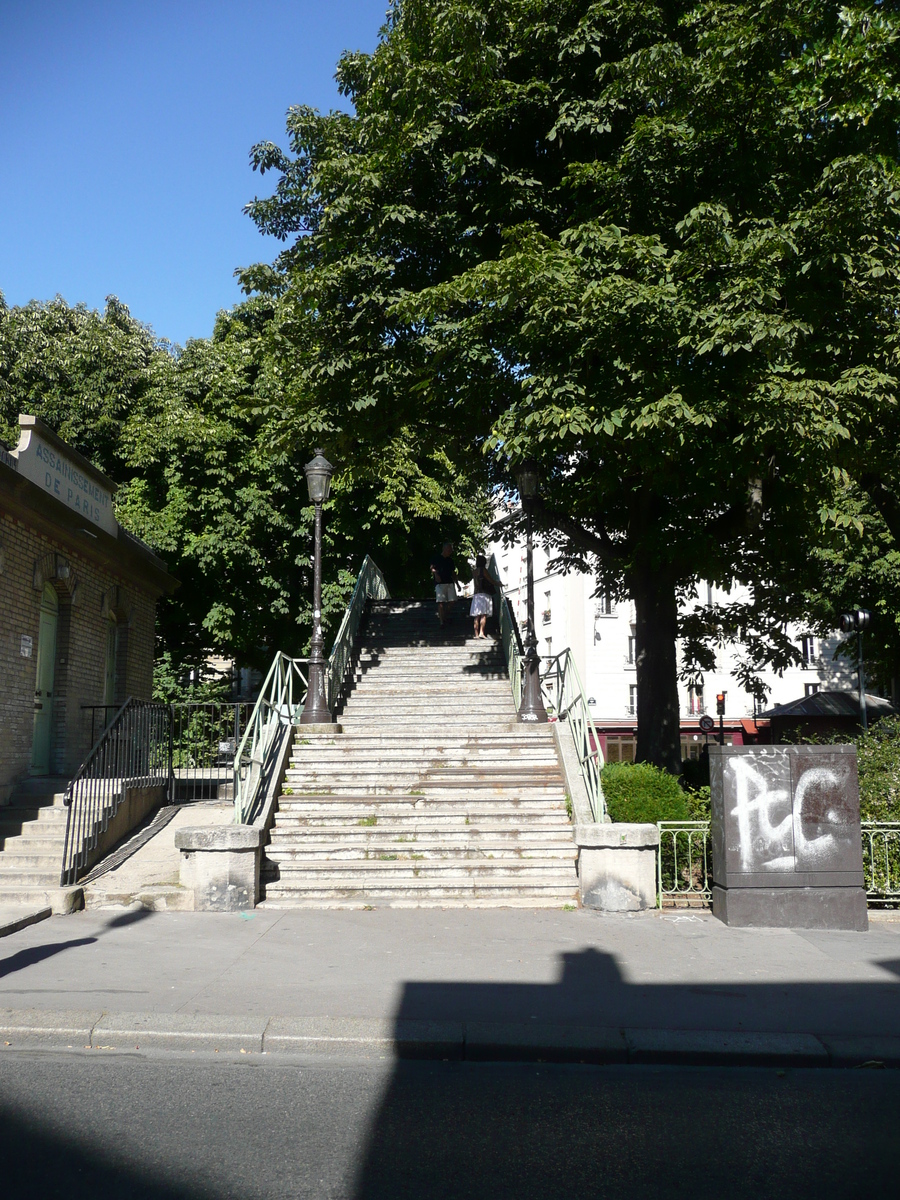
x,y
47,815
520,893
420,852
17,858
33,844
409,831
29,878
533,898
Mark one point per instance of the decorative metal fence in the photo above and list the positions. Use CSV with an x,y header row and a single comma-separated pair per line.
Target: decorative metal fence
x,y
369,584
881,861
205,738
684,863
134,750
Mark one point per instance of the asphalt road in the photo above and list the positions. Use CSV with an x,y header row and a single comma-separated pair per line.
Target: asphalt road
x,y
98,1126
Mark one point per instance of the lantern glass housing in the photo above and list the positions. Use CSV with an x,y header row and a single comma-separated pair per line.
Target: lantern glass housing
x,y
527,480
318,478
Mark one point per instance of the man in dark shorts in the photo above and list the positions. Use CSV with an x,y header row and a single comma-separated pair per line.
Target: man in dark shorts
x,y
443,570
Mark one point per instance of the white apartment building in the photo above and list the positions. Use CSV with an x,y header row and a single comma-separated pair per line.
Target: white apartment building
x,y
601,635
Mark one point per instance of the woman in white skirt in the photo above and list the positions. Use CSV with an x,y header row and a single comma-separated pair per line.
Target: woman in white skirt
x,y
483,587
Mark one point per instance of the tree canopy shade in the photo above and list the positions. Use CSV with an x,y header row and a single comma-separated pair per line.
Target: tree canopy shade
x,y
653,246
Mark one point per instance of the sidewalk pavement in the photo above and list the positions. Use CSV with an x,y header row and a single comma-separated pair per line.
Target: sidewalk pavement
x,y
489,984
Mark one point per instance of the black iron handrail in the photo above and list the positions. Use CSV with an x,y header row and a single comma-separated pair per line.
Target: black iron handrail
x,y
134,750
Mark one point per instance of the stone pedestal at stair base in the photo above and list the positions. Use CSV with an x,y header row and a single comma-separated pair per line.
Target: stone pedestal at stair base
x,y
221,866
617,866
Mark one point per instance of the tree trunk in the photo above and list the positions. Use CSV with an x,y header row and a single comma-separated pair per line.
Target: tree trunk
x,y
656,633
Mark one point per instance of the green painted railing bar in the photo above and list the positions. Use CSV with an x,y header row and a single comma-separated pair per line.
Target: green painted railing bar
x,y
684,862
564,698
370,584
283,693
563,693
279,704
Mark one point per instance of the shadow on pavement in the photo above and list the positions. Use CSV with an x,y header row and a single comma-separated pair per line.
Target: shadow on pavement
x,y
35,954
537,1132
592,992
39,1164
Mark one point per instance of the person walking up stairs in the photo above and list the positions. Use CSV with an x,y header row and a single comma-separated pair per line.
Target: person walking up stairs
x,y
433,794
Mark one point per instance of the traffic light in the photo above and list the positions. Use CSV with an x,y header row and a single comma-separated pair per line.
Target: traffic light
x,y
720,704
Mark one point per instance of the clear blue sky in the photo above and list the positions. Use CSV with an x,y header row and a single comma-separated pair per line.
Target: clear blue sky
x,y
125,131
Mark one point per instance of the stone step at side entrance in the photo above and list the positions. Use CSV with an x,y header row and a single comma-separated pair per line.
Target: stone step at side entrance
x,y
433,795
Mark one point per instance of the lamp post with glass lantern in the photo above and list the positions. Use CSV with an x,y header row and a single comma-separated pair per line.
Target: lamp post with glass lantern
x,y
316,711
531,708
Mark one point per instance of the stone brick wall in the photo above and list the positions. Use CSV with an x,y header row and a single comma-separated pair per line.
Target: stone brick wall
x,y
87,594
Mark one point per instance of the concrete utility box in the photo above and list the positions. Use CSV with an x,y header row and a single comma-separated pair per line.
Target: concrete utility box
x,y
786,844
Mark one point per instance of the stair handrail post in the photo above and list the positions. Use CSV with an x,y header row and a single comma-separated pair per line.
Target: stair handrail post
x,y
531,708
316,711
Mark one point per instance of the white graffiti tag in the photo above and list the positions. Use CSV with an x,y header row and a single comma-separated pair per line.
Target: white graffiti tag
x,y
769,828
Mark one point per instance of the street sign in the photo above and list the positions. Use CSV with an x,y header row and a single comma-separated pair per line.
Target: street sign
x,y
707,724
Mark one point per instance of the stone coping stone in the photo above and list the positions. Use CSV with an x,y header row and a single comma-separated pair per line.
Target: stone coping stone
x,y
703,1047
324,727
616,836
541,1042
178,1031
219,837
14,917
366,1037
473,1041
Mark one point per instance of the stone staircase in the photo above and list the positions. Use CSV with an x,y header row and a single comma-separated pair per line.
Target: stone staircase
x,y
32,836
432,795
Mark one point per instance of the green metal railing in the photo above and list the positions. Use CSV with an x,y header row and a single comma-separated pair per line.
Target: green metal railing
x,y
564,697
278,706
684,863
283,693
370,584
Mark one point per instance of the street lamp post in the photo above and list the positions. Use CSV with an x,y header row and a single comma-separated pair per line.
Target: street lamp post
x,y
856,622
531,708
316,711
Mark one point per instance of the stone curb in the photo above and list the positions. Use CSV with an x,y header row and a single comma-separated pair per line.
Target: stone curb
x,y
472,1041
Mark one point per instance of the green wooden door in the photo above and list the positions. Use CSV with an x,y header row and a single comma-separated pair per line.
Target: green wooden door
x,y
45,669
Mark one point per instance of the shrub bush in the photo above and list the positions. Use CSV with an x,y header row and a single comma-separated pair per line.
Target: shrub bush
x,y
642,793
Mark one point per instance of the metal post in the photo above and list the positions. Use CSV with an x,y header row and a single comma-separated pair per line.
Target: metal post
x,y
532,707
315,710
863,714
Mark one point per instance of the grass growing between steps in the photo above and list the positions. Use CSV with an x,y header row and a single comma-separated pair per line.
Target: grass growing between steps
x,y
373,820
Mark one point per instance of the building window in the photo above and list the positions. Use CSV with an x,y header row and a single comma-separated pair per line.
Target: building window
x,y
619,749
630,651
604,606
810,689
808,650
545,615
549,647
632,699
696,705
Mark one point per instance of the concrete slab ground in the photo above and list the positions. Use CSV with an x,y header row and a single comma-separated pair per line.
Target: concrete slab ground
x,y
145,867
501,983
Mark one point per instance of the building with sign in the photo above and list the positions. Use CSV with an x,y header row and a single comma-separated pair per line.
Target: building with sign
x,y
78,601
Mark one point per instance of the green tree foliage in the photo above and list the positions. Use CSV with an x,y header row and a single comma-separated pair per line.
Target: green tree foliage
x,y
211,480
654,247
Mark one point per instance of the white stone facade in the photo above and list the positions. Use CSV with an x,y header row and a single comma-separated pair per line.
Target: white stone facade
x,y
600,634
